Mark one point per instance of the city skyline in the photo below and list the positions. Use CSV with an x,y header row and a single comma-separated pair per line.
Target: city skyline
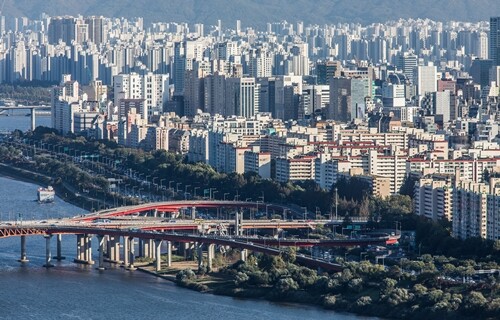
x,y
257,13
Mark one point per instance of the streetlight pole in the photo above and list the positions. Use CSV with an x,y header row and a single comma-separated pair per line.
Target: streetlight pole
x,y
225,194
336,203
185,191
194,192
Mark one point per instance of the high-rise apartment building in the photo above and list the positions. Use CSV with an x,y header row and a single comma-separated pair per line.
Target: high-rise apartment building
x,y
494,41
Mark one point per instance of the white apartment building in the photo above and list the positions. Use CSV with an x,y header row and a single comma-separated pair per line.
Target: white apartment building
x,y
259,162
433,198
297,169
153,88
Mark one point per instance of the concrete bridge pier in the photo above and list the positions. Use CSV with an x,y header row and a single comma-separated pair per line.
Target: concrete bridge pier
x,y
126,253
140,247
79,248
158,255
48,254
23,258
243,255
113,245
101,240
210,255
106,246
145,248
59,256
131,254
116,242
110,249
152,251
88,249
199,248
193,213
169,254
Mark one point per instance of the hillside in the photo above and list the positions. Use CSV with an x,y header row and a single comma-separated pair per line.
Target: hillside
x,y
258,12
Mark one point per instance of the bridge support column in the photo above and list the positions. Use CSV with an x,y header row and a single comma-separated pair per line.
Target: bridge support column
x,y
110,248
59,256
145,248
158,255
155,213
23,258
105,252
116,243
131,254
88,249
210,255
80,249
193,213
199,248
152,251
243,255
126,254
48,254
169,254
141,247
101,240
33,120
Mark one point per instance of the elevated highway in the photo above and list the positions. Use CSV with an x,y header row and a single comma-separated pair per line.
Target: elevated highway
x,y
118,230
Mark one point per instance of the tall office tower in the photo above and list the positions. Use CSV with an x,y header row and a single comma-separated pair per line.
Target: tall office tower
x,y
480,71
325,71
219,30
495,40
340,100
193,91
242,97
238,26
260,65
393,91
199,29
407,63
2,25
314,98
441,102
214,88
300,28
179,67
480,45
426,80
96,32
360,91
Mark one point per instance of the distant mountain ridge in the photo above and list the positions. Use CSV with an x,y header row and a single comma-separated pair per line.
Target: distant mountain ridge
x,y
258,12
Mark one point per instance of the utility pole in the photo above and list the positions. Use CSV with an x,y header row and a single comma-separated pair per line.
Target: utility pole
x,y
336,203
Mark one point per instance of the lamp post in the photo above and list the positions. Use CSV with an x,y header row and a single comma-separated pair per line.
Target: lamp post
x,y
194,191
185,191
211,191
398,223
170,187
336,203
225,194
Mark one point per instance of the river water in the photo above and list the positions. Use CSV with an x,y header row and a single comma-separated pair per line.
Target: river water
x,y
70,291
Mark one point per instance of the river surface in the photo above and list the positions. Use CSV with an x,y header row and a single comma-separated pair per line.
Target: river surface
x,y
71,291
